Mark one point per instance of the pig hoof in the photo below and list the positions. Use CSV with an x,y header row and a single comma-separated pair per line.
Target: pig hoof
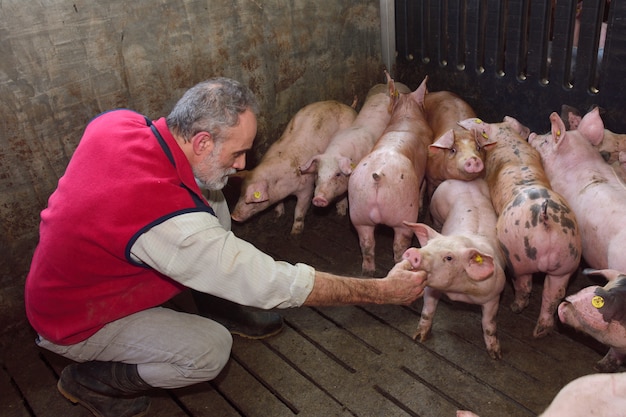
x,y
517,306
495,355
607,365
542,331
421,336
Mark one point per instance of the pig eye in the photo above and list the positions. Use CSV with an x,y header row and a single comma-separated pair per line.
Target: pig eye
x,y
338,174
452,151
447,258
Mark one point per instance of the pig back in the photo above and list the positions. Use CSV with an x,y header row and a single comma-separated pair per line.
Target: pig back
x,y
443,109
309,132
512,165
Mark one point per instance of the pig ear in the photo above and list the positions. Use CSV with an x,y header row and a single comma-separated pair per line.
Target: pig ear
x,y
445,141
257,193
557,128
393,92
478,266
481,129
309,166
519,128
345,165
592,127
611,300
570,115
421,91
423,232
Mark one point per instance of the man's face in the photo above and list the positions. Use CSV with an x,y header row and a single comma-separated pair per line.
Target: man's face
x,y
228,156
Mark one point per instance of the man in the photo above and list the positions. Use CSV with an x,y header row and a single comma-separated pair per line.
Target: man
x,y
128,228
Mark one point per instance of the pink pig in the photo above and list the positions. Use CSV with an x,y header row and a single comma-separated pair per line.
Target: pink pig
x,y
464,261
348,146
593,189
456,152
277,175
537,229
386,186
600,312
600,395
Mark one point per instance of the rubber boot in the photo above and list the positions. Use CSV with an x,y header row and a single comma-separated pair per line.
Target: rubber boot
x,y
240,320
107,389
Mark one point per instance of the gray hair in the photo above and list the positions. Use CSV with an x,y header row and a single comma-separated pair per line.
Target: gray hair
x,y
211,106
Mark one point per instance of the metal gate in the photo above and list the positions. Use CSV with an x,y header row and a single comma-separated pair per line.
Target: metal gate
x,y
517,57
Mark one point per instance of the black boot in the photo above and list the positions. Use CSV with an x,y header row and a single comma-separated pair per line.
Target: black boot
x,y
240,320
107,389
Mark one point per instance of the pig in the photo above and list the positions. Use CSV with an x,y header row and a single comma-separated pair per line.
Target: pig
x,y
600,312
455,153
386,185
600,395
464,261
596,194
610,145
348,146
536,228
277,175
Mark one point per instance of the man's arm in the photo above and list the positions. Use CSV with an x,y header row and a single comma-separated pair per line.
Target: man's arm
x,y
400,286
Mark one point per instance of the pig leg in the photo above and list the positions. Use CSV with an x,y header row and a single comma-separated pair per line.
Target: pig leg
x,y
523,285
402,238
342,206
368,244
304,197
489,311
431,298
611,361
554,288
279,209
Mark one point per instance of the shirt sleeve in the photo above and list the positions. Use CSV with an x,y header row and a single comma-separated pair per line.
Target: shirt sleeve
x,y
195,250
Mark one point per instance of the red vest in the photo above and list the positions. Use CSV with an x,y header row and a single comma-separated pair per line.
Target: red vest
x,y
126,176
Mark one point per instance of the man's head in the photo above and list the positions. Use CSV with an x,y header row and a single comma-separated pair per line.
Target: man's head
x,y
215,125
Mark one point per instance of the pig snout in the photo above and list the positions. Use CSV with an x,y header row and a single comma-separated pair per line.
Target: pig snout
x,y
414,256
320,201
474,165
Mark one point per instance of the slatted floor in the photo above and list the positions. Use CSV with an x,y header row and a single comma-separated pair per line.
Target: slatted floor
x,y
341,361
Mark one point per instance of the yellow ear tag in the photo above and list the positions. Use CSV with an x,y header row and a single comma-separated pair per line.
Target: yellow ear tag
x,y
396,93
597,301
558,132
478,259
477,121
352,165
484,134
257,195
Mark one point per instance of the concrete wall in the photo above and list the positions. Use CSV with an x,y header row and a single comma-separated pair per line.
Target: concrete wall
x,y
63,62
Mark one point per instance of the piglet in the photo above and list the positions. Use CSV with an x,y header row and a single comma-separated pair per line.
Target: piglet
x,y
277,175
386,186
455,153
600,312
536,227
348,146
599,395
464,261
595,192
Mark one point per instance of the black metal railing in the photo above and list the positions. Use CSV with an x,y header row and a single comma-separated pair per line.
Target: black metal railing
x,y
518,57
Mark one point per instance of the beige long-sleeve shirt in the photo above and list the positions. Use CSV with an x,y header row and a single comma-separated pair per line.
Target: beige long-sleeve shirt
x,y
199,251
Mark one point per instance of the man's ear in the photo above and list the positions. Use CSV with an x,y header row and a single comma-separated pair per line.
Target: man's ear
x,y
202,143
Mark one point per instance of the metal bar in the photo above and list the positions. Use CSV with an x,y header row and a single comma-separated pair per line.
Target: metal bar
x,y
388,34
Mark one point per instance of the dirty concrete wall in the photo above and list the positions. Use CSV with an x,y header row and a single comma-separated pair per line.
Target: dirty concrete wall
x,y
65,61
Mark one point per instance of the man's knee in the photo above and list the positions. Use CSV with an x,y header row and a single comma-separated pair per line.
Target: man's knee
x,y
212,356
